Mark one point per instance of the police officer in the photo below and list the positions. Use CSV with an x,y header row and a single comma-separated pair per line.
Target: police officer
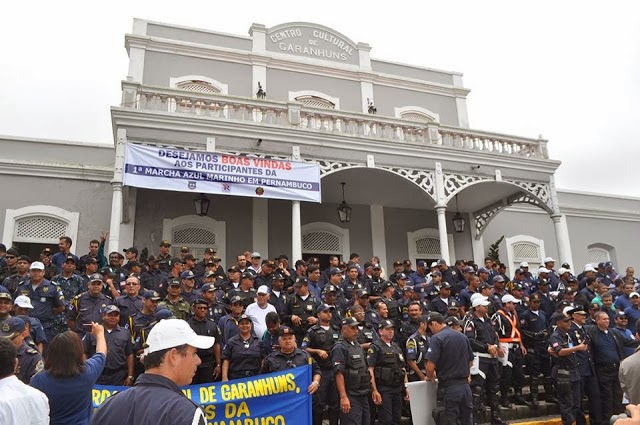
x,y
228,324
242,353
301,309
505,322
278,296
288,357
87,307
211,366
366,333
21,276
455,403
164,257
409,327
318,342
29,359
352,377
246,290
119,365
564,371
216,308
484,343
393,310
535,335
174,301
386,367
130,303
416,351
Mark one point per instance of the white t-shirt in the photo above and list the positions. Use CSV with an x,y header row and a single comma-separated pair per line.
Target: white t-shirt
x,y
258,315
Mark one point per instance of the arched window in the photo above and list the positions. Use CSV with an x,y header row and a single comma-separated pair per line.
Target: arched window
x,y
417,114
424,244
315,99
523,248
325,238
198,84
197,233
599,253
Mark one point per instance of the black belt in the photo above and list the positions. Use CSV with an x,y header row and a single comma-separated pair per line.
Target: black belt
x,y
113,371
245,373
608,365
453,382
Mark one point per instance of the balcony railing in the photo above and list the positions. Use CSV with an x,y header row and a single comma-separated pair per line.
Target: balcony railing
x,y
297,115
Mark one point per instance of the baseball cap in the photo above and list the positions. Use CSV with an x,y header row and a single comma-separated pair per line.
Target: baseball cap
x,y
397,263
187,275
285,330
132,249
95,277
557,316
233,269
6,295
248,275
70,258
543,270
263,289
350,321
175,260
174,333
510,299
484,270
434,315
207,287
200,301
481,301
209,251
376,266
243,317
163,313
562,271
401,276
88,260
484,285
589,268
175,282
165,243
278,276
110,309
37,265
330,288
452,321
12,327
497,278
256,254
184,249
436,273
621,315
468,269
334,271
151,295
386,324
209,274
235,299
524,264
22,301
634,294
549,260
421,263
543,282
324,307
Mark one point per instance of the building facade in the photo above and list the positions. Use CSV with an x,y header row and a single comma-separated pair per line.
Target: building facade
x,y
397,135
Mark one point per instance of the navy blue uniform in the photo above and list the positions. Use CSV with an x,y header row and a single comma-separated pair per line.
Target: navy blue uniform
x,y
455,402
44,299
29,363
119,348
128,307
388,363
206,327
153,400
85,308
566,376
349,359
416,350
244,356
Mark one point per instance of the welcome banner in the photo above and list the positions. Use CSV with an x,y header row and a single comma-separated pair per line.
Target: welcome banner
x,y
278,398
183,170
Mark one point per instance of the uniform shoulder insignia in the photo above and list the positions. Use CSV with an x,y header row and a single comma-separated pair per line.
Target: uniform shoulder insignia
x,y
371,350
32,351
39,366
411,343
77,297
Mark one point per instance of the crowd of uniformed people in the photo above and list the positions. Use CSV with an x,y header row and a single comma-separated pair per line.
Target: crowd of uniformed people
x,y
483,335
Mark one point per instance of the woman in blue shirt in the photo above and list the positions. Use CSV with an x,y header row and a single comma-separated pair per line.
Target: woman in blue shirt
x,y
67,379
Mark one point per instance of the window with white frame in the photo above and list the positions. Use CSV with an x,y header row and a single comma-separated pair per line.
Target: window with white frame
x,y
39,224
417,114
599,253
523,248
196,233
325,238
425,244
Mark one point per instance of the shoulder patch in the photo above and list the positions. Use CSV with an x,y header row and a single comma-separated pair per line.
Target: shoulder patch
x,y
411,344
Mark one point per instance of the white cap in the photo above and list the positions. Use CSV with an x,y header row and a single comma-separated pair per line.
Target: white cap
x,y
542,270
475,296
524,264
589,268
586,266
634,294
567,310
36,265
562,271
174,333
549,260
23,301
510,299
434,264
263,289
256,254
481,301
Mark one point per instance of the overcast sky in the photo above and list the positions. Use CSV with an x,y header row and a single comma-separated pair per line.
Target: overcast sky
x,y
569,70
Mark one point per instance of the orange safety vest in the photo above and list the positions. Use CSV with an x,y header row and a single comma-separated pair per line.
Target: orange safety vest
x,y
515,332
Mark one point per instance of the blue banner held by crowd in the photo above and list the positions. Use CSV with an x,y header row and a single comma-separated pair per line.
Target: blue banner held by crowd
x,y
278,398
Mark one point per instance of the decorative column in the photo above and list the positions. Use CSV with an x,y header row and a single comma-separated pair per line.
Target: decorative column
x,y
116,185
378,240
441,210
560,226
477,243
296,232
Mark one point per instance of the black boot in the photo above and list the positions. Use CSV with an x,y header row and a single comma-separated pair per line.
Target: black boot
x,y
549,391
504,399
534,393
496,419
519,399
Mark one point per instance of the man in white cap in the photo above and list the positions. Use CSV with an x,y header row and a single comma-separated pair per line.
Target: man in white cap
x,y
22,307
259,309
485,345
255,262
505,322
549,264
170,361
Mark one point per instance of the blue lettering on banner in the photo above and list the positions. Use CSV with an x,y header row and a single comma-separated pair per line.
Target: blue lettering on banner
x,y
278,398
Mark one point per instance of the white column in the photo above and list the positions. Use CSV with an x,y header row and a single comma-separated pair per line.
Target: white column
x,y
562,239
442,233
477,244
261,226
116,185
296,232
461,104
378,241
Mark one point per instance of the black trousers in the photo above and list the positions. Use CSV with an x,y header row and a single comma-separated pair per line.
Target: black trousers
x,y
456,403
610,390
390,411
327,396
359,413
569,399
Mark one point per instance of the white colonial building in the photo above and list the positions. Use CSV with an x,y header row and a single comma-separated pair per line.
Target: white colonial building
x,y
397,135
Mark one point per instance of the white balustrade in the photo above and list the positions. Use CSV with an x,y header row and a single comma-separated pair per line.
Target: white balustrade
x,y
357,125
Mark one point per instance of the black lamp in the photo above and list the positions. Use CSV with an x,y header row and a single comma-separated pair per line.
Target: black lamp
x,y
458,220
202,204
344,210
